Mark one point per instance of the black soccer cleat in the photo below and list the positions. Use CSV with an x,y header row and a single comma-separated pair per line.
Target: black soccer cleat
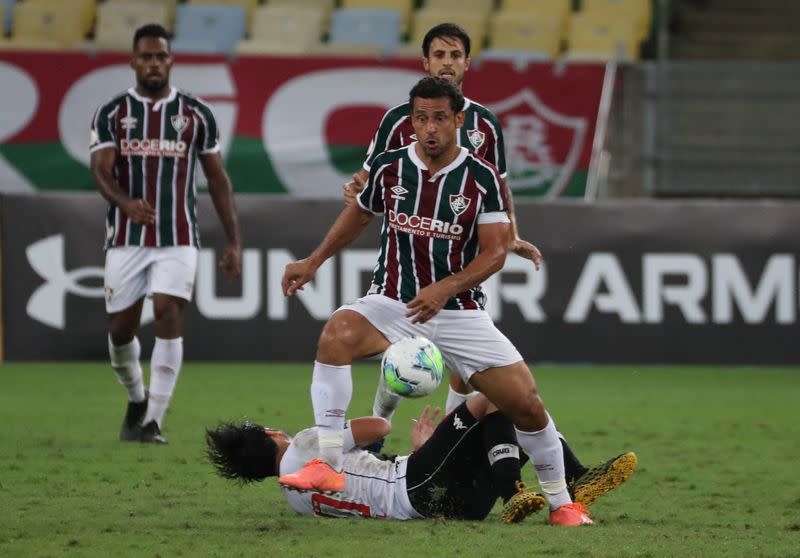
x,y
151,434
132,423
602,478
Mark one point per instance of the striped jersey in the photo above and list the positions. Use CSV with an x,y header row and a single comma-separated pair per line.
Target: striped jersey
x,y
157,144
373,487
429,229
480,133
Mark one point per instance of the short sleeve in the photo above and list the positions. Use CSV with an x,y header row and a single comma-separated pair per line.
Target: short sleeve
x,y
102,132
371,197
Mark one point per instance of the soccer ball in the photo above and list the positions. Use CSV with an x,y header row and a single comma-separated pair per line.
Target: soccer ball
x,y
412,367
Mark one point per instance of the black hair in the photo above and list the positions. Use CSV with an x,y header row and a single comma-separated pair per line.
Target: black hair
x,y
151,30
444,30
431,87
241,451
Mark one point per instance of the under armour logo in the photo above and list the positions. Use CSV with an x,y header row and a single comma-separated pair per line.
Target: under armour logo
x,y
48,302
457,424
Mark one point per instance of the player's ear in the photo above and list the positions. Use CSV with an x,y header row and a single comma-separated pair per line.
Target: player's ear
x,y
426,64
459,119
467,62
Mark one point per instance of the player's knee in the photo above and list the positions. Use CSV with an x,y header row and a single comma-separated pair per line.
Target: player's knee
x,y
528,413
339,339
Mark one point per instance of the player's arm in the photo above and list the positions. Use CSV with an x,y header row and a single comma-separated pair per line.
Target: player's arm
x,y
493,242
348,226
101,164
221,191
352,188
519,246
368,430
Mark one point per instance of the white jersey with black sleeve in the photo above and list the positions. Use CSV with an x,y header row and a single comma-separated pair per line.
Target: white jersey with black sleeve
x,y
373,487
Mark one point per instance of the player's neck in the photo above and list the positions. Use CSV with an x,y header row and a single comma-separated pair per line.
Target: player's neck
x,y
435,164
156,95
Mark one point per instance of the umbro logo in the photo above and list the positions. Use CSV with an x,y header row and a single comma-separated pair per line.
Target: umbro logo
x,y
457,424
129,122
398,192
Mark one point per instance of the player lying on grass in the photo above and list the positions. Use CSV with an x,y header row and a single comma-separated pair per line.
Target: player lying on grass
x,y
457,470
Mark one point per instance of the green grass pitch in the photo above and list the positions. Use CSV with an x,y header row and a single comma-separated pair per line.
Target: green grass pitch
x,y
719,467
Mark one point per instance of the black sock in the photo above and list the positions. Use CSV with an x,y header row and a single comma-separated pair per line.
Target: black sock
x,y
573,467
499,439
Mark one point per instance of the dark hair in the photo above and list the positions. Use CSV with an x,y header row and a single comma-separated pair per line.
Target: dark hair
x,y
151,30
241,451
431,87
445,30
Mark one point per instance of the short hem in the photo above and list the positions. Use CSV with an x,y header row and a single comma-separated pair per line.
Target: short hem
x,y
470,373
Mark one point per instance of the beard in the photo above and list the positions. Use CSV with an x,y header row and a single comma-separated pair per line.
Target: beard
x,y
153,84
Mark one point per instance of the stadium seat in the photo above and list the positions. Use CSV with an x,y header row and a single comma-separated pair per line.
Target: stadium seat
x,y
208,29
473,23
85,7
640,11
526,32
596,38
482,7
169,5
47,24
405,7
118,21
366,27
325,5
559,9
283,29
248,5
6,13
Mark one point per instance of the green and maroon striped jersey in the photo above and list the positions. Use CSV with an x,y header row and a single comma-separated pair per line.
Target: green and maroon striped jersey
x,y
157,144
430,222
480,133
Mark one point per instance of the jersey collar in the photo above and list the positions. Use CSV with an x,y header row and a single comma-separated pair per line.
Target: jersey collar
x,y
173,92
412,154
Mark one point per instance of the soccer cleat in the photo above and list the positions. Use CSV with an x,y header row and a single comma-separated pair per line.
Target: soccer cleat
x,y
570,515
521,505
315,475
131,424
151,434
598,480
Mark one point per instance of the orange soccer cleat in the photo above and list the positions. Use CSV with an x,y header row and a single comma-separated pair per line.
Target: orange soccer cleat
x,y
570,515
316,475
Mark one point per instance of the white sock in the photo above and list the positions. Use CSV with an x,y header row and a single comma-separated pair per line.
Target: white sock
x,y
544,449
386,401
454,399
165,365
125,362
331,390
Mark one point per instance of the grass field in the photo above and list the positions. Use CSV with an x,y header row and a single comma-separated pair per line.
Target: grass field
x,y
719,467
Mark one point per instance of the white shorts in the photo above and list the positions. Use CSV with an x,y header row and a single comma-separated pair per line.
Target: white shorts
x,y
468,339
132,272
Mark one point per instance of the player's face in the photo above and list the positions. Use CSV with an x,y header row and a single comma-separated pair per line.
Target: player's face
x,y
447,59
435,125
152,62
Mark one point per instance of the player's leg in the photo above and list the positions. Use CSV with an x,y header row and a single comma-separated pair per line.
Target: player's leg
x,y
125,284
171,283
458,392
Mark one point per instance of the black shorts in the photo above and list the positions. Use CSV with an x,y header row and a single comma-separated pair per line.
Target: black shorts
x,y
449,475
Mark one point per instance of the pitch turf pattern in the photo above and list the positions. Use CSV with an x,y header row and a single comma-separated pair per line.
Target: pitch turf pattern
x,y
717,472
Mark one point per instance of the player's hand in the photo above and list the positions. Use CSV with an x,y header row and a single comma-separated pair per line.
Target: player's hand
x,y
424,426
427,303
528,251
231,261
352,188
139,211
296,275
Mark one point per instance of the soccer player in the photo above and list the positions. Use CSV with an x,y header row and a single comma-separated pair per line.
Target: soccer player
x,y
457,469
446,54
145,143
445,231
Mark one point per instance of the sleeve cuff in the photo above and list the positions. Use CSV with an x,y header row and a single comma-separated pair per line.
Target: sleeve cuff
x,y
493,217
103,145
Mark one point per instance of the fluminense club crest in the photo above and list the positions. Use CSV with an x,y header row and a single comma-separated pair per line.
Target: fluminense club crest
x,y
179,122
476,138
459,203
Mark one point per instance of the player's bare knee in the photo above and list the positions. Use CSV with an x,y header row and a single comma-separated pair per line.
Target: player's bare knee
x,y
528,412
339,340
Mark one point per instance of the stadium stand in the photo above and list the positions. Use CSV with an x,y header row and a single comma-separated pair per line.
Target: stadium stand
x,y
6,13
118,21
482,7
594,36
45,26
169,5
283,29
359,28
638,11
405,7
538,36
327,7
247,5
558,9
85,7
208,29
